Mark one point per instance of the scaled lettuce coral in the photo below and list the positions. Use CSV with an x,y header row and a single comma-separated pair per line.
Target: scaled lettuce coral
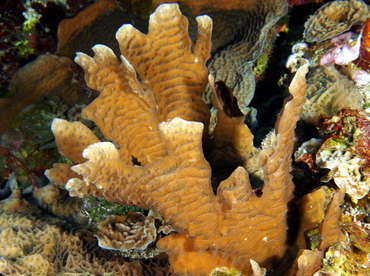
x,y
133,231
234,63
335,18
151,110
329,91
33,242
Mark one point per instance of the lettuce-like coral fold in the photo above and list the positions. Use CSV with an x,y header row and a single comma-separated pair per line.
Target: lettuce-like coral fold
x,y
160,119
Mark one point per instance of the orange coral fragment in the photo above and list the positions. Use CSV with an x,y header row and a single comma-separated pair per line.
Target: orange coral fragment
x,y
232,140
321,209
214,231
72,139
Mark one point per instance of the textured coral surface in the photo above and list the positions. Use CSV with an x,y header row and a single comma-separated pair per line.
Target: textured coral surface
x,y
335,18
329,91
134,231
156,122
33,242
234,63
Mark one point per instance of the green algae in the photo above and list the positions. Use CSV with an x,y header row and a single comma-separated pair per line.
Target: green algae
x,y
98,208
262,62
23,48
226,272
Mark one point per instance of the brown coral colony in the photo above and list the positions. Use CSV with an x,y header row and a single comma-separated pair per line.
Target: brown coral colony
x,y
162,121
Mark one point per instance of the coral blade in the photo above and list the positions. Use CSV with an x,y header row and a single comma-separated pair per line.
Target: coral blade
x,y
160,119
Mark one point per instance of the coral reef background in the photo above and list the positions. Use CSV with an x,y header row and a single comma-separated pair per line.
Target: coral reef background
x,y
157,167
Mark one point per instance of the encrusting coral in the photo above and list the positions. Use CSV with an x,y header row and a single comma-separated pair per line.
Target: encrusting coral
x,y
328,91
341,30
157,122
34,81
99,22
36,243
335,18
234,63
56,201
70,29
134,231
